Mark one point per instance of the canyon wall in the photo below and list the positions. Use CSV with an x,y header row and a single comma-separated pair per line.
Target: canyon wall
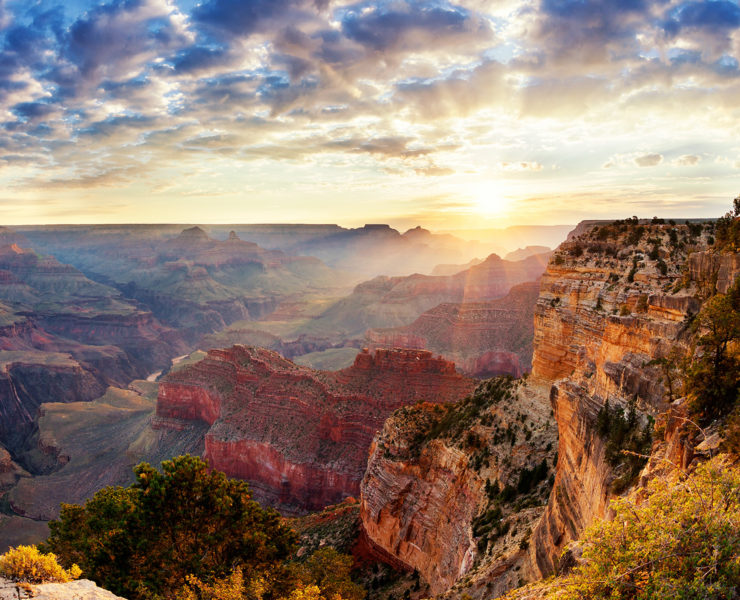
x,y
299,436
606,311
446,491
614,299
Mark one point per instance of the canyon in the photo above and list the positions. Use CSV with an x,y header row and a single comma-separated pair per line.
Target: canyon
x,y
483,339
300,437
614,300
475,486
188,280
66,338
385,302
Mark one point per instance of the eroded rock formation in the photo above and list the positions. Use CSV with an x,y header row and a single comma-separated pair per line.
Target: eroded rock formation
x,y
606,310
611,303
299,436
440,488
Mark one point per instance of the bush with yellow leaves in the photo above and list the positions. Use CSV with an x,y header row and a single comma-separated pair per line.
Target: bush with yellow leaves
x,y
26,564
682,542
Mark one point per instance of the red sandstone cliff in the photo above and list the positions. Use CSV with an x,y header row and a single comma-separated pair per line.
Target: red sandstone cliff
x,y
299,436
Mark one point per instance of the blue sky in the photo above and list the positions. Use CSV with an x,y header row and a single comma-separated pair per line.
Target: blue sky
x,y
468,114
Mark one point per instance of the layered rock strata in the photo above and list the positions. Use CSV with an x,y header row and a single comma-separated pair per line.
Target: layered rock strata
x,y
300,436
614,300
444,493
611,303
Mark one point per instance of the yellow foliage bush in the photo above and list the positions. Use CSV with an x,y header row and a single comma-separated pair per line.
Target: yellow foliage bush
x,y
232,587
310,592
27,564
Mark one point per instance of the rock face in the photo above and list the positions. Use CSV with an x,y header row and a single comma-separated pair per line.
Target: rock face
x,y
431,496
606,309
299,436
484,339
613,299
27,379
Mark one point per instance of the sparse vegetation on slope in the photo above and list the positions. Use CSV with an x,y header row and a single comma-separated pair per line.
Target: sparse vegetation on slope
x,y
682,541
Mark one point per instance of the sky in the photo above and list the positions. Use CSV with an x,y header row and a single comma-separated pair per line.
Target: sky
x,y
448,115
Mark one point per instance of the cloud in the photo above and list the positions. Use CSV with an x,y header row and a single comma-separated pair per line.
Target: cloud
x,y
409,26
520,167
383,88
32,110
649,160
242,18
688,160
588,31
112,40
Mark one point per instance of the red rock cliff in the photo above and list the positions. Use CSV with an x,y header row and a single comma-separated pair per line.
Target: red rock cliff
x,y
299,436
608,305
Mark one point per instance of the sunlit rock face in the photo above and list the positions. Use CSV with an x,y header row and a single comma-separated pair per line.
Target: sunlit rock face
x,y
432,477
607,308
608,305
300,436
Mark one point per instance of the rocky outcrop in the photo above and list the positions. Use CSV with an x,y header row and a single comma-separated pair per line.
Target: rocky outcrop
x,y
81,447
611,302
443,493
82,589
484,339
28,379
299,436
10,472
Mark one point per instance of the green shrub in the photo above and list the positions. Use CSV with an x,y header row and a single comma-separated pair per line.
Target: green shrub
x,y
145,540
682,542
714,376
626,442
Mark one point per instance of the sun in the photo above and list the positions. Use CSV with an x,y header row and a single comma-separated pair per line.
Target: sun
x,y
489,199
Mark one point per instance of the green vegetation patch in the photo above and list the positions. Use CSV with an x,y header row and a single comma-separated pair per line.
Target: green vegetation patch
x,y
627,442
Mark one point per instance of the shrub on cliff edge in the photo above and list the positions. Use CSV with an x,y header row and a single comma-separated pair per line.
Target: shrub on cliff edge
x,y
714,377
683,541
26,564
